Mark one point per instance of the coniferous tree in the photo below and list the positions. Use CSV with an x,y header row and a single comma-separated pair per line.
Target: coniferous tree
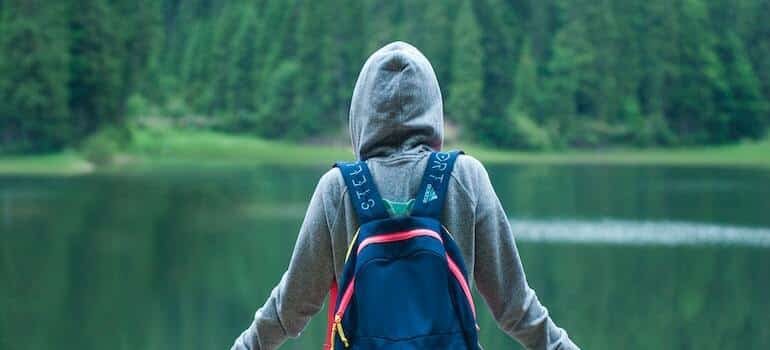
x,y
278,97
33,77
310,48
465,92
381,23
522,129
140,24
193,71
243,80
343,53
526,92
589,73
566,81
96,68
498,26
223,57
278,71
433,33
757,42
741,99
692,90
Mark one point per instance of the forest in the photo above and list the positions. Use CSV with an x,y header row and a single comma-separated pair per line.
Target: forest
x,y
549,74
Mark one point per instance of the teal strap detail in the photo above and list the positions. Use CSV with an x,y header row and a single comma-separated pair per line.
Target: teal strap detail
x,y
399,208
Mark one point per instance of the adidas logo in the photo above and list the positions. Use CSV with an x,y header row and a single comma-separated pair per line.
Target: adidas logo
x,y
430,194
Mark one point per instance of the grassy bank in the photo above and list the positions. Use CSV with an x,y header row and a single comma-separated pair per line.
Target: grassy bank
x,y
153,148
158,146
749,154
65,163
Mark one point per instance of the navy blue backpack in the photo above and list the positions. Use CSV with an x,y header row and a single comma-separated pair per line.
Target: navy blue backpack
x,y
404,284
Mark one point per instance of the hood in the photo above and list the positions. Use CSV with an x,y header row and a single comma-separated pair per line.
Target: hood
x,y
396,104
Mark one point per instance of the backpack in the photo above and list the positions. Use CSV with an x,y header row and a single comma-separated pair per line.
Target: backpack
x,y
404,284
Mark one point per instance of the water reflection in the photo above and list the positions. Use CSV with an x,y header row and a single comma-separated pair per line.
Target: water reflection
x,y
627,232
182,259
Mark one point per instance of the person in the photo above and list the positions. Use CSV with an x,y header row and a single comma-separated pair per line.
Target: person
x,y
396,121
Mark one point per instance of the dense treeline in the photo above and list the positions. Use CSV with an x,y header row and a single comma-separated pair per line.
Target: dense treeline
x,y
520,74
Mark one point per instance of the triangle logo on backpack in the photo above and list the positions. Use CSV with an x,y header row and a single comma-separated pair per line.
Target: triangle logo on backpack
x,y
430,194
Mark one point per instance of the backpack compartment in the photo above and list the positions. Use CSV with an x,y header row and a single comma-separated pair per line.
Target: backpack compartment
x,y
403,298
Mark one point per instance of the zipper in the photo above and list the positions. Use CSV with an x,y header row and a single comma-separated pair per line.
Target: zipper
x,y
337,327
340,332
398,236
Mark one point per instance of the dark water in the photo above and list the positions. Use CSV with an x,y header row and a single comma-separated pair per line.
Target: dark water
x,y
182,259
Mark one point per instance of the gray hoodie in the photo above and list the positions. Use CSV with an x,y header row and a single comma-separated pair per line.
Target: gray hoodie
x,y
396,119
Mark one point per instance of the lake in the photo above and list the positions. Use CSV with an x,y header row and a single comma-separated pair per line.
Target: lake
x,y
624,257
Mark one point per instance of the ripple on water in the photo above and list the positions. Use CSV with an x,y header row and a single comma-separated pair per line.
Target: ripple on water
x,y
638,232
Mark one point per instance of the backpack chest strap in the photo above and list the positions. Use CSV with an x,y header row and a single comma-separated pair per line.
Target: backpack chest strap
x,y
362,191
435,181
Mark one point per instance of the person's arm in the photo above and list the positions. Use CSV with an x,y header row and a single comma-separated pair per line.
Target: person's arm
x,y
500,277
303,287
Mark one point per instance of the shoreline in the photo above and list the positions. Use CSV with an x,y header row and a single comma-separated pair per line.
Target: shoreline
x,y
153,148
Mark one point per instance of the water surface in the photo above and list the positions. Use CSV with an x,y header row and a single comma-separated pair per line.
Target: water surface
x,y
623,256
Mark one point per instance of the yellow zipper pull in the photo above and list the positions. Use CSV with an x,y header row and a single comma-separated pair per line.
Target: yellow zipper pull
x,y
331,338
338,326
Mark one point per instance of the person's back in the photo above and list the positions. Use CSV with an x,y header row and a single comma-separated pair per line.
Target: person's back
x,y
396,121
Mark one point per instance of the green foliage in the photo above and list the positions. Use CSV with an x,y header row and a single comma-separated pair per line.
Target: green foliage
x,y
102,147
500,24
33,77
526,95
650,131
276,101
524,133
97,84
176,108
465,92
586,73
741,100
139,106
566,80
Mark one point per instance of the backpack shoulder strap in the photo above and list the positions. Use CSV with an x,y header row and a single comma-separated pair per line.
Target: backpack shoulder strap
x,y
362,191
432,191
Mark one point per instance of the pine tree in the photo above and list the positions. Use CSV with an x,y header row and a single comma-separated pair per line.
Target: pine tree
x,y
757,42
520,129
34,115
465,91
278,71
499,30
566,80
140,24
96,67
693,85
343,54
311,90
243,78
590,73
526,93
430,29
740,99
278,97
224,53
381,23
194,75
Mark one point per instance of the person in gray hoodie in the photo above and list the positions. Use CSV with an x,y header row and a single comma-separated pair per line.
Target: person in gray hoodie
x,y
396,120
